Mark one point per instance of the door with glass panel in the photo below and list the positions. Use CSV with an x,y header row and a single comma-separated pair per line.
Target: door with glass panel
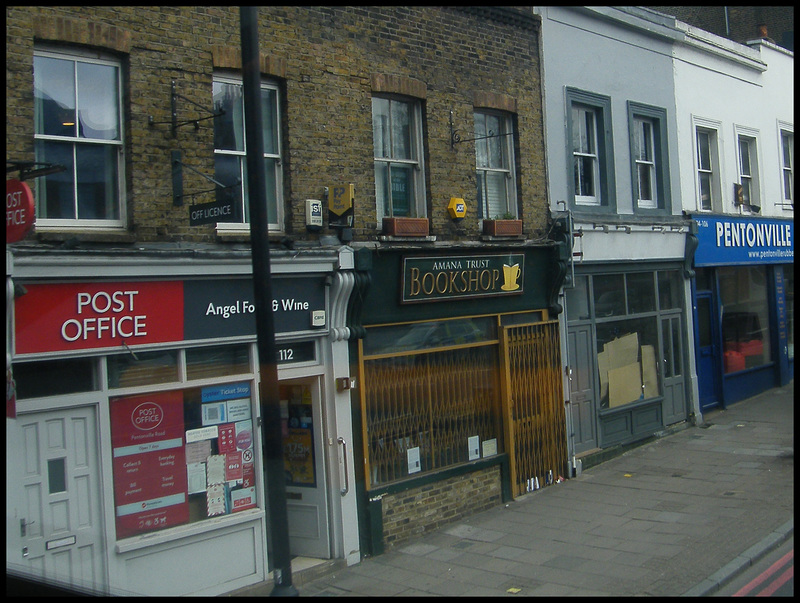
x,y
54,528
304,462
672,370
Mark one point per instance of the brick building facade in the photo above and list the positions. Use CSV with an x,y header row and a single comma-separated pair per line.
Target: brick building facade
x,y
338,291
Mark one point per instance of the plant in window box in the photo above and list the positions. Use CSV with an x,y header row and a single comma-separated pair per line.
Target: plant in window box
x,y
406,227
506,225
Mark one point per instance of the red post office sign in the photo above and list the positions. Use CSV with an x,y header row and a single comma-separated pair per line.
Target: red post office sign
x,y
80,316
19,210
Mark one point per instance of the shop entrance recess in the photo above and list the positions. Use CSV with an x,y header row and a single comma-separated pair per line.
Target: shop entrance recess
x,y
54,528
533,395
303,456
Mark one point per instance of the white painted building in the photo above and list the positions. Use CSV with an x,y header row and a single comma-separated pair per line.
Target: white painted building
x,y
626,92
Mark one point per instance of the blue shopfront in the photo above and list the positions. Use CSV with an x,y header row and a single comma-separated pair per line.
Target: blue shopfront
x,y
743,303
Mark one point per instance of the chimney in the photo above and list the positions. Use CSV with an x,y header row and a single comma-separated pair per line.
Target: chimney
x,y
762,31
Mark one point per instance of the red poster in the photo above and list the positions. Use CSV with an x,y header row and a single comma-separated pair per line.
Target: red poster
x,y
79,316
233,466
226,441
149,460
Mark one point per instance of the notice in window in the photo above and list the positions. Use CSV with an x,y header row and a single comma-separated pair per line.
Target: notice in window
x,y
149,463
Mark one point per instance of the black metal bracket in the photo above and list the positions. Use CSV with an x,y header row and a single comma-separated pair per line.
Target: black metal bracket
x,y
174,108
177,181
455,137
29,169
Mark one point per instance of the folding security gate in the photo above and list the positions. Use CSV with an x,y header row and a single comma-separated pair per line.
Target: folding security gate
x,y
535,419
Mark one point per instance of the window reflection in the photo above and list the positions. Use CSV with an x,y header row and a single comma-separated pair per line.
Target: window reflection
x,y
609,295
745,317
430,334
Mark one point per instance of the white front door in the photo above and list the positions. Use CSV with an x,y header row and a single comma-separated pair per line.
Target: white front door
x,y
304,461
54,527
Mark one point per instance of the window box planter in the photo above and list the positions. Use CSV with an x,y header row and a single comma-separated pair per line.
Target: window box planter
x,y
502,228
406,227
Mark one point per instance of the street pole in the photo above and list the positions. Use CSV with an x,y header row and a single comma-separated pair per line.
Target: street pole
x,y
268,394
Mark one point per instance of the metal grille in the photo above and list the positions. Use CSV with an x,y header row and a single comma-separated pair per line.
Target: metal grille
x,y
434,401
538,431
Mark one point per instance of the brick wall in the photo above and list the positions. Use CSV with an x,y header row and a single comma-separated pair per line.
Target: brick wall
x,y
326,61
414,512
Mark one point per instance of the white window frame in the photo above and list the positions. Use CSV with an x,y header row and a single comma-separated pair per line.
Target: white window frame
x,y
748,174
417,205
592,153
104,225
508,165
646,139
713,128
786,133
244,226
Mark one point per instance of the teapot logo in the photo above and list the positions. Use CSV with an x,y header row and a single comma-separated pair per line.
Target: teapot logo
x,y
510,277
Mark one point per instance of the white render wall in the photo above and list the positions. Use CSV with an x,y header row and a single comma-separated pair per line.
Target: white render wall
x,y
737,88
625,54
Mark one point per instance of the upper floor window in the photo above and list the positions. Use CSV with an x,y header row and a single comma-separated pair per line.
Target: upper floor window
x,y
649,156
78,125
590,144
644,158
230,149
494,165
586,167
705,169
748,172
787,165
397,140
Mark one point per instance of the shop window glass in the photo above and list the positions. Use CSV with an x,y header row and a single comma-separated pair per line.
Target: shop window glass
x,y
182,456
142,368
641,292
626,361
745,317
430,334
670,290
430,410
609,295
55,377
220,361
578,299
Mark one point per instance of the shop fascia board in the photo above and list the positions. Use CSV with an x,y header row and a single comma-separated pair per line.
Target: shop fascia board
x,y
55,264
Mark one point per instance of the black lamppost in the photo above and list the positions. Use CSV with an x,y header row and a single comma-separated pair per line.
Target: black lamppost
x,y
268,394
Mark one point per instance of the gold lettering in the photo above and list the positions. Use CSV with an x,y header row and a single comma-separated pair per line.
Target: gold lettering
x,y
486,279
440,286
427,289
415,285
473,280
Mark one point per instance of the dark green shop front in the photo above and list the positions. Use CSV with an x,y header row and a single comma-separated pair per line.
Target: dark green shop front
x,y
450,337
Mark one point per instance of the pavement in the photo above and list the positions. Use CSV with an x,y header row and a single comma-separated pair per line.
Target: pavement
x,y
680,515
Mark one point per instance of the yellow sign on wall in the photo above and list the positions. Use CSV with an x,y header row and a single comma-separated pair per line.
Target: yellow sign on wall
x,y
457,208
340,198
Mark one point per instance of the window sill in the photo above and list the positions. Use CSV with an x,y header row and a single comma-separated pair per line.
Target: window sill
x,y
136,543
95,236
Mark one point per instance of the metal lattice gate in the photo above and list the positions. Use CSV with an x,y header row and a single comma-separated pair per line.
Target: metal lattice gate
x,y
536,422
